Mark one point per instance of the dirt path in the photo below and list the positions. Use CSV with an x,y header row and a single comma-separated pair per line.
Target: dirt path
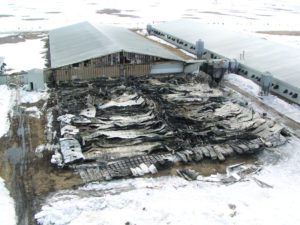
x,y
28,177
17,156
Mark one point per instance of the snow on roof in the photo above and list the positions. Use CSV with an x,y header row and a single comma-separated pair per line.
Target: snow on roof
x,y
83,41
260,54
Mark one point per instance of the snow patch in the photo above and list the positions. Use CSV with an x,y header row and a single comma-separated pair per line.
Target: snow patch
x,y
290,110
7,101
67,118
159,40
123,100
7,206
34,112
243,83
32,96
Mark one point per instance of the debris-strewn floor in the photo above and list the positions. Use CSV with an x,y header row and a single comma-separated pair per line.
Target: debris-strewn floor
x,y
122,128
173,200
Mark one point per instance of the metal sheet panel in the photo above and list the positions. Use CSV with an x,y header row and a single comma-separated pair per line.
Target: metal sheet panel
x,y
192,68
36,76
166,68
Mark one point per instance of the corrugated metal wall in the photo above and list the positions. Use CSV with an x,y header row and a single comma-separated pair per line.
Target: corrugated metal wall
x,y
87,73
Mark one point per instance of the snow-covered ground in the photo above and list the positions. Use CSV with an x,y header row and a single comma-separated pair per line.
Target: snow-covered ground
x,y
290,110
167,200
249,15
23,56
9,97
32,96
7,100
256,14
7,210
173,200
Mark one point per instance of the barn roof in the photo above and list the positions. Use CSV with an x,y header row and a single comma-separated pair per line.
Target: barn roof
x,y
83,41
260,54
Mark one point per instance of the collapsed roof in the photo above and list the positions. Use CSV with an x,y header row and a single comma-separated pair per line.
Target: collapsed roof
x,y
83,41
147,125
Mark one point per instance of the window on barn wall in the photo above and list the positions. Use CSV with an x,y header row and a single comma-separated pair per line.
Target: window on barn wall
x,y
121,57
143,58
131,57
87,63
134,59
114,59
109,60
124,58
75,65
98,62
118,58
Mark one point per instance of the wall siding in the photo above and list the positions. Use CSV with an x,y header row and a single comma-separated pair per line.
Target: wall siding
x,y
88,73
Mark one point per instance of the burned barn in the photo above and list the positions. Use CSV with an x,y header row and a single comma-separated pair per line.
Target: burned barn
x,y
86,51
119,122
116,128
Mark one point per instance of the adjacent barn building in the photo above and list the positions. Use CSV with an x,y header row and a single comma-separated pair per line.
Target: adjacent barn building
x,y
2,65
87,51
255,55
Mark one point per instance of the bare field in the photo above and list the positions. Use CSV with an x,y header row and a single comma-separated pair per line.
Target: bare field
x,y
281,32
21,37
116,12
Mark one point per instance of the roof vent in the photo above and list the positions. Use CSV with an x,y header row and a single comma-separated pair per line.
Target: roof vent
x,y
199,48
149,29
266,83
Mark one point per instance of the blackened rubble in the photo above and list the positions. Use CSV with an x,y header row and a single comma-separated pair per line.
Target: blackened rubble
x,y
135,126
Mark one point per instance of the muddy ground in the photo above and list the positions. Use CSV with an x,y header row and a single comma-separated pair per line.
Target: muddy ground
x,y
28,176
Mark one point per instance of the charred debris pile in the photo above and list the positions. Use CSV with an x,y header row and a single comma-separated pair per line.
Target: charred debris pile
x,y
114,128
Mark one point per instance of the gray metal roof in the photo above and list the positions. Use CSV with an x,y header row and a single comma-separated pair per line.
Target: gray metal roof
x,y
261,54
83,41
